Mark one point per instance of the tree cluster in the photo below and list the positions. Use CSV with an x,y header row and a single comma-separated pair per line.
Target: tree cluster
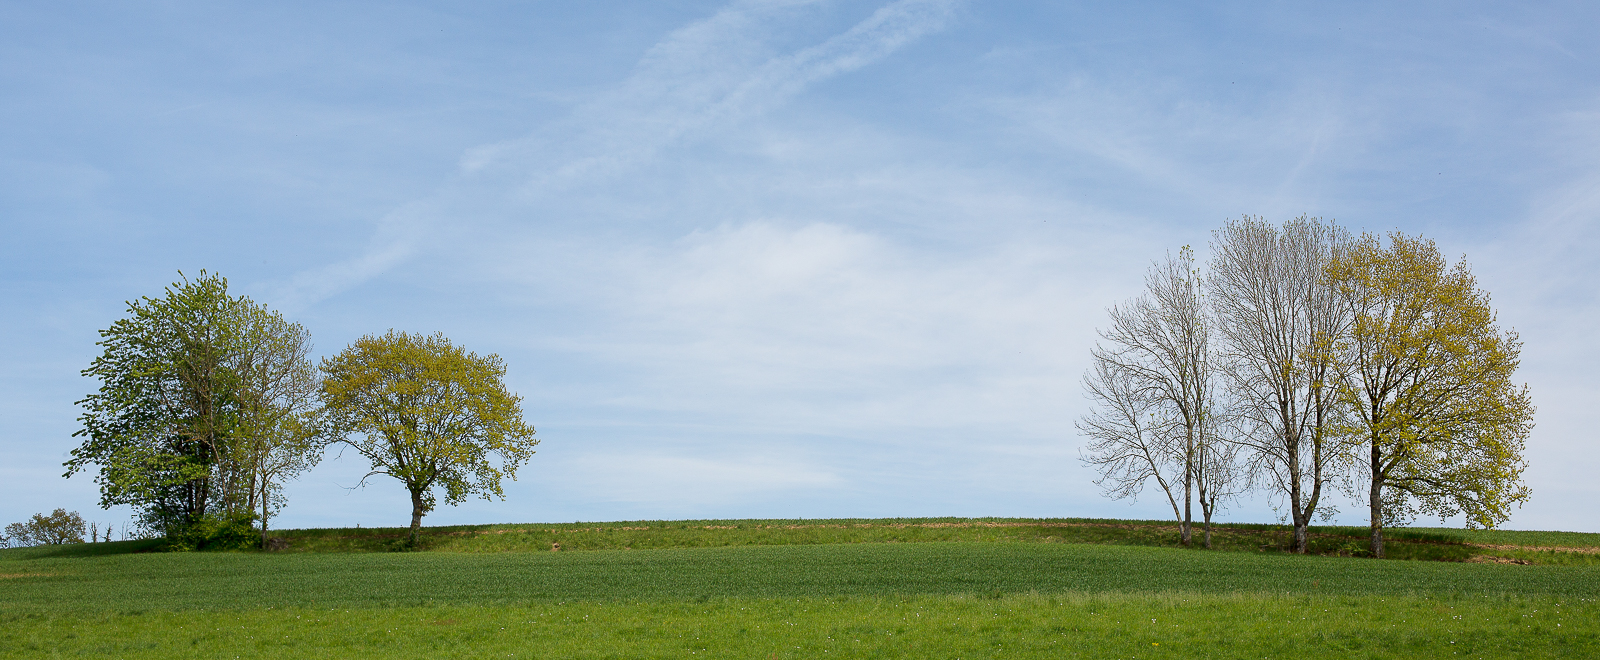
x,y
58,528
1306,358
209,403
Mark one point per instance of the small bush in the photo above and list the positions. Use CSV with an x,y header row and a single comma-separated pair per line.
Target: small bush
x,y
216,532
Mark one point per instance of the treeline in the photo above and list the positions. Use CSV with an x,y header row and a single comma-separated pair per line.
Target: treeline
x,y
209,403
1305,359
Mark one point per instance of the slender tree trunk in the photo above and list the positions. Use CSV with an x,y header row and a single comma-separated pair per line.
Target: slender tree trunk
x,y
1188,487
416,515
1376,500
263,515
1188,513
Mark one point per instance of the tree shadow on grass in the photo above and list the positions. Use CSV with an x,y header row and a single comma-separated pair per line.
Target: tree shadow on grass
x,y
73,550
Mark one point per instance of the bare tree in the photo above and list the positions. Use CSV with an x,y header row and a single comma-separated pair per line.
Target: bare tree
x,y
1219,475
1152,385
1124,443
1281,323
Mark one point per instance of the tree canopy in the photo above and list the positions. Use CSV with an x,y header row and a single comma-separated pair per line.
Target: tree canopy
x,y
428,413
1427,378
1341,360
196,388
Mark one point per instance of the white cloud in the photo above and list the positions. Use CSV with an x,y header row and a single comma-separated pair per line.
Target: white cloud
x,y
834,329
660,479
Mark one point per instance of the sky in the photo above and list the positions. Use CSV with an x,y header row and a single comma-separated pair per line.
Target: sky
x,y
772,259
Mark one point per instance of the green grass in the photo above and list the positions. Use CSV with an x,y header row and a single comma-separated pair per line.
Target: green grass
x,y
895,588
1437,544
172,581
926,626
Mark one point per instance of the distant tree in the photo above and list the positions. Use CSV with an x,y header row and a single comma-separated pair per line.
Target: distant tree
x,y
1154,388
1428,378
429,414
58,528
1279,326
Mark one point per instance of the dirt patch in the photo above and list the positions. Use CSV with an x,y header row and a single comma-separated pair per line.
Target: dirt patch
x,y
1538,548
1490,559
7,576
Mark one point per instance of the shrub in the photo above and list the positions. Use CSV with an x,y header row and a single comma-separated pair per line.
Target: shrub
x,y
216,532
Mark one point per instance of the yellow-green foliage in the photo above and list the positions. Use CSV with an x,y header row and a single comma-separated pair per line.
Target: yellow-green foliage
x,y
429,413
1429,381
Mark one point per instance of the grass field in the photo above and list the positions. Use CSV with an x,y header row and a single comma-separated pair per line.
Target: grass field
x,y
786,589
1437,544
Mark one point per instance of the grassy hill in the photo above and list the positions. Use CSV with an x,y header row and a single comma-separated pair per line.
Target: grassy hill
x,y
1440,544
847,588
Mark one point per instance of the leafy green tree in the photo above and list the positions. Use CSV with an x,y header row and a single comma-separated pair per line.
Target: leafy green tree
x,y
280,431
197,388
165,406
429,414
1428,380
58,528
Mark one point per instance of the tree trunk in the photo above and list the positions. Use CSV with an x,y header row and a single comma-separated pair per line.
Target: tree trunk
x,y
416,515
1376,501
263,516
1188,488
1188,513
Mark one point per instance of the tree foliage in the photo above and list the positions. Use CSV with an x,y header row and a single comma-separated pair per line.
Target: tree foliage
x,y
60,527
1343,359
198,389
1428,379
280,420
428,413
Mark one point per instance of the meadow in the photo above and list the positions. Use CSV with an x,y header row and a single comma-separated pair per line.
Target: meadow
x,y
885,588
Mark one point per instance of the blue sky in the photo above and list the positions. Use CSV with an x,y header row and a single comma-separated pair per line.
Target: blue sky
x,y
771,259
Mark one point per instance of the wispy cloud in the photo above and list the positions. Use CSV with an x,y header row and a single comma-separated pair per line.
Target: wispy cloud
x,y
705,75
711,73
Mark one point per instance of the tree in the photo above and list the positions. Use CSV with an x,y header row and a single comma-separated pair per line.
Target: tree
x,y
1428,378
1153,387
280,430
58,528
429,414
192,385
159,421
1280,324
